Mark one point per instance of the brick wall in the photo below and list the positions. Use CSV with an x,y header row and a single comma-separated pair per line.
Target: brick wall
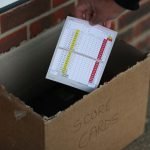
x,y
134,26
26,21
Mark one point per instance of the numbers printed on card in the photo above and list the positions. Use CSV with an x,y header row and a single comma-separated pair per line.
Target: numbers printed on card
x,y
81,54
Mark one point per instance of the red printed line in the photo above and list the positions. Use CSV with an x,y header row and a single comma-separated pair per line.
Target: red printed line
x,y
94,72
102,49
99,58
97,63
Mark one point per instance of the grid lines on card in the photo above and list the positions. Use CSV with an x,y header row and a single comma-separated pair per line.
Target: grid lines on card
x,y
67,60
81,54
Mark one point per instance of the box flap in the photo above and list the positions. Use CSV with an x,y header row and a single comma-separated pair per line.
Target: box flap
x,y
108,114
19,125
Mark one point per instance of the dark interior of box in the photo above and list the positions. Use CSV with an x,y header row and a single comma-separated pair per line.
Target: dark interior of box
x,y
23,71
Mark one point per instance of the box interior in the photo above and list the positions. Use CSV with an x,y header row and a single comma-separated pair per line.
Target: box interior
x,y
23,71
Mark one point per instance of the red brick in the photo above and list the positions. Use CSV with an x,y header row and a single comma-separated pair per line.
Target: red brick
x,y
132,16
58,2
141,27
127,36
50,20
138,29
13,39
144,44
23,13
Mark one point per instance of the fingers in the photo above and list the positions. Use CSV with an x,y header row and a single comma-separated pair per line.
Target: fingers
x,y
94,19
83,10
80,11
102,21
88,15
87,10
108,24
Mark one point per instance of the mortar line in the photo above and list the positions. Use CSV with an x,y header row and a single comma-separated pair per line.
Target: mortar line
x,y
140,37
132,24
34,19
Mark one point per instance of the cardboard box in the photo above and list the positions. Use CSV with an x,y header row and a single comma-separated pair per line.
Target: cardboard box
x,y
107,119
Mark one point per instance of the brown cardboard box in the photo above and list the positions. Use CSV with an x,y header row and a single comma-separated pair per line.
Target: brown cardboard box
x,y
109,118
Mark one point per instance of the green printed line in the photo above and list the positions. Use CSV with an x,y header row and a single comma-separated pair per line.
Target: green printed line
x,y
73,43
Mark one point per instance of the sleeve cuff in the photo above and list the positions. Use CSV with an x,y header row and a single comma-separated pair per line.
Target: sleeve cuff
x,y
128,4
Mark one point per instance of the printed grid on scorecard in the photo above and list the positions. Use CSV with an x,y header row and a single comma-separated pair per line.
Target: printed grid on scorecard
x,y
81,54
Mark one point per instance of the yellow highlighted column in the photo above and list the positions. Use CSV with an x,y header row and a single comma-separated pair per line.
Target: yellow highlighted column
x,y
73,43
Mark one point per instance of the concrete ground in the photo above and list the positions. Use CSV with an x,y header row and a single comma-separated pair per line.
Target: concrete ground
x,y
143,142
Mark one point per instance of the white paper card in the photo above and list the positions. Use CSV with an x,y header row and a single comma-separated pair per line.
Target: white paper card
x,y
81,54
4,3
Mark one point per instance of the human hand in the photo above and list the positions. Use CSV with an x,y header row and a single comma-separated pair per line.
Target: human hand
x,y
98,11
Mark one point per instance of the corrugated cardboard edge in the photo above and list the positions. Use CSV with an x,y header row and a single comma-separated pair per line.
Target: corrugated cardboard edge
x,y
20,127
144,62
4,95
136,113
16,100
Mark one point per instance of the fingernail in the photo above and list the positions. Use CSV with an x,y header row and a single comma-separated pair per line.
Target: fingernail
x,y
83,16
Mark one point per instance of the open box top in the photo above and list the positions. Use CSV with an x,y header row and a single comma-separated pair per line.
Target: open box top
x,y
24,72
91,122
27,65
